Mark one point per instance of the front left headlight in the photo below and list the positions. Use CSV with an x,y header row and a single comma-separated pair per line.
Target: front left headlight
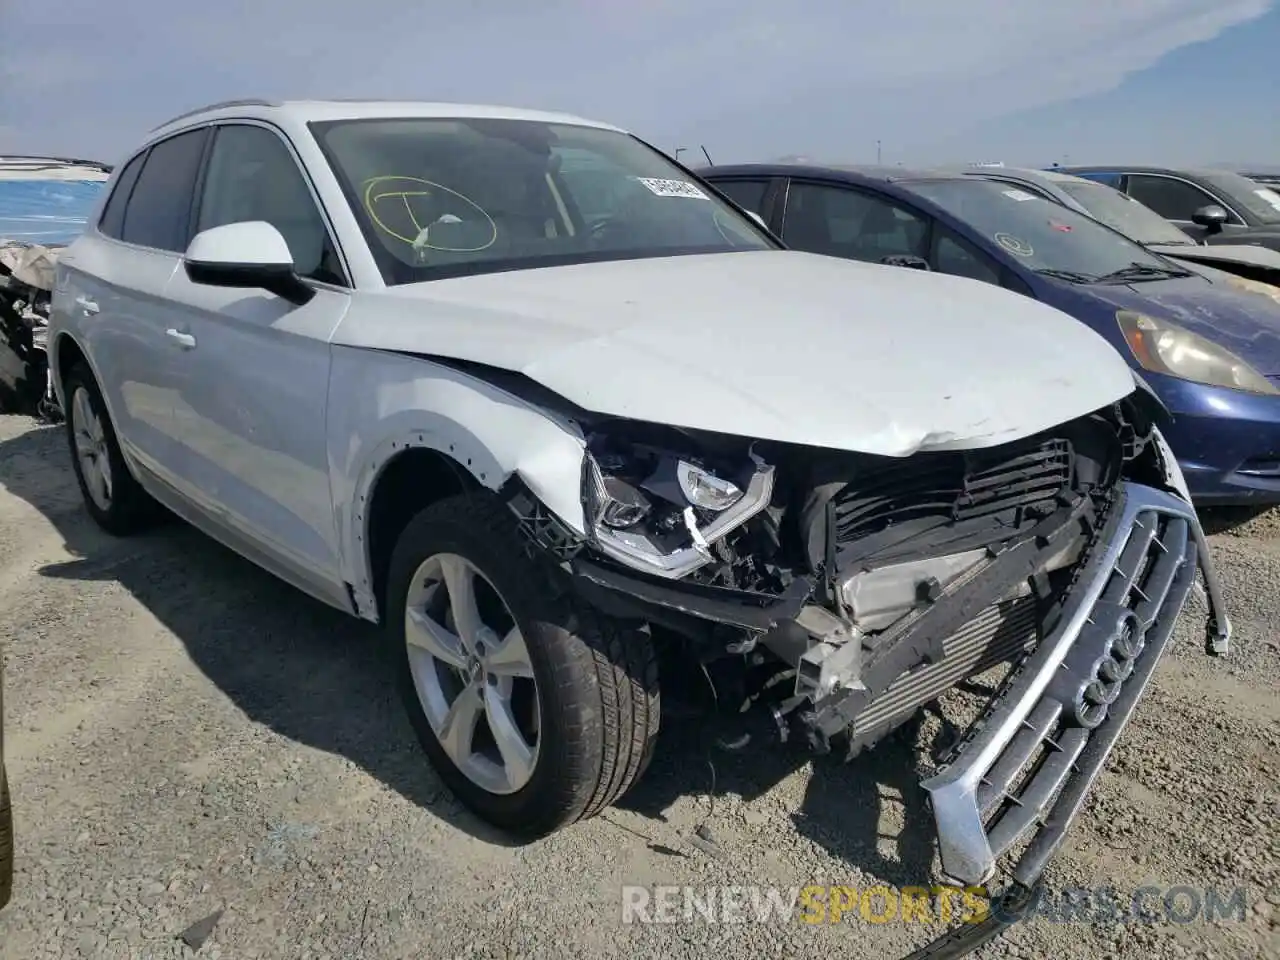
x,y
660,513
1268,290
1162,346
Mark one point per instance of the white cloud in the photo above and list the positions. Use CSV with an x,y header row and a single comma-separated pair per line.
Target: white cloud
x,y
753,78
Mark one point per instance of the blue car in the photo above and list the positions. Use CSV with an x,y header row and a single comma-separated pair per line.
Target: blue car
x,y
1209,349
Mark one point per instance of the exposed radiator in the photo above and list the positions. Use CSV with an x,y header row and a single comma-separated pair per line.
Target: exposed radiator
x,y
998,634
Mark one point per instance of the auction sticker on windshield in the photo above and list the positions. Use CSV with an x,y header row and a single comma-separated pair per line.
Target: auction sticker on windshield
x,y
672,188
1018,195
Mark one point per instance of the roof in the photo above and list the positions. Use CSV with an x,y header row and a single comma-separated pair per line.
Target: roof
x,y
1029,173
311,111
1139,168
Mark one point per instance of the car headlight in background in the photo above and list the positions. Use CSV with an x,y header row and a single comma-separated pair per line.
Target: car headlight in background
x,y
1268,290
659,512
1164,347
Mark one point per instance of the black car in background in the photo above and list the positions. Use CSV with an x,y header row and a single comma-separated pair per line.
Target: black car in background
x,y
1216,206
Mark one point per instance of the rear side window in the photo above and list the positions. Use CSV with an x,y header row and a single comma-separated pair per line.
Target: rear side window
x,y
112,222
159,209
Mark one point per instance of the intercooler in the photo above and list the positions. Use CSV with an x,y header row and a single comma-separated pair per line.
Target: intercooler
x,y
997,635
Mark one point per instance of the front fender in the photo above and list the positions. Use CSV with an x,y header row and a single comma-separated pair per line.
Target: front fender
x,y
382,403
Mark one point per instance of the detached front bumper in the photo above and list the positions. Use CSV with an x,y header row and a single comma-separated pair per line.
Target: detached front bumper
x,y
1026,766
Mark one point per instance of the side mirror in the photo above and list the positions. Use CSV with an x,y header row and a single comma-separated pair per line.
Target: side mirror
x,y
1211,217
906,260
250,255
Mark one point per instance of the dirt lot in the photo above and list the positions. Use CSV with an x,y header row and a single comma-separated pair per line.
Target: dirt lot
x,y
185,735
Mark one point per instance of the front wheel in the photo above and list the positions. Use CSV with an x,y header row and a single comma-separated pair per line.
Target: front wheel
x,y
534,710
6,840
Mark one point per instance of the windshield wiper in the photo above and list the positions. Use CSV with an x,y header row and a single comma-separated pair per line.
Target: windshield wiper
x,y
1070,276
1140,271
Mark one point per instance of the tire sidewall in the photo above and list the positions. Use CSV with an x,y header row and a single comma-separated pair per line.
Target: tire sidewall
x,y
120,517
569,728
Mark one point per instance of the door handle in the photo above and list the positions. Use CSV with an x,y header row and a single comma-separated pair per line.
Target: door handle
x,y
90,307
185,340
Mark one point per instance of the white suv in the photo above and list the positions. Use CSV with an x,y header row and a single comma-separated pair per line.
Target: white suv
x,y
535,397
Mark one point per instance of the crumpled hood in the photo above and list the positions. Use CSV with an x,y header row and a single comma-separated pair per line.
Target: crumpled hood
x,y
778,345
1247,324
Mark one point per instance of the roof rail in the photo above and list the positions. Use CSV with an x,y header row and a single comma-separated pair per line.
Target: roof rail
x,y
250,102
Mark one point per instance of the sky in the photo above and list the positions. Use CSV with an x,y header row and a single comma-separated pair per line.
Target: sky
x,y
1161,81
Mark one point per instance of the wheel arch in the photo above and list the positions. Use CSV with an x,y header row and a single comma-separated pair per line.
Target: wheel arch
x,y
411,455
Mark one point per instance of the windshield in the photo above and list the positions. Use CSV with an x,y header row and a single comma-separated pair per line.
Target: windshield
x,y
1043,235
1121,212
49,212
1257,198
448,197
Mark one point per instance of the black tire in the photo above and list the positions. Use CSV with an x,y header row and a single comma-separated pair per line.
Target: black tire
x,y
131,508
597,678
6,840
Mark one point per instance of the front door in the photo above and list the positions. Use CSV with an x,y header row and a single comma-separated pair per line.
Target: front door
x,y
251,412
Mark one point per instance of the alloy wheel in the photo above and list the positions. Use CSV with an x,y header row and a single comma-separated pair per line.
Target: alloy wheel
x,y
91,449
472,673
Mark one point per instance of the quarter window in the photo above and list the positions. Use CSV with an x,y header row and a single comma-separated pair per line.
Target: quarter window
x,y
841,222
158,210
112,222
252,175
748,194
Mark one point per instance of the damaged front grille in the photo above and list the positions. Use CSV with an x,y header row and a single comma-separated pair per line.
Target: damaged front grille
x,y
1009,486
1026,765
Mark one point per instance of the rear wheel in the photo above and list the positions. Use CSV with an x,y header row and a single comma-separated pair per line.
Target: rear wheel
x,y
535,711
114,499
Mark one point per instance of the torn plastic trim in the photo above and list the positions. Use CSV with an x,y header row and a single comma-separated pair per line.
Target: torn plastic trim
x,y
719,605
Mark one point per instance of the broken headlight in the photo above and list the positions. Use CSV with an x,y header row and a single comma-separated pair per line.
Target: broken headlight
x,y
659,511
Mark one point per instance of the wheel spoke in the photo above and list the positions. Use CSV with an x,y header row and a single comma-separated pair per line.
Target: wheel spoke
x,y
510,658
457,732
96,481
517,755
423,632
460,582
104,469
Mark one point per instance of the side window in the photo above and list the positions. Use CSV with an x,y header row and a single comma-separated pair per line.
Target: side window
x,y
252,175
748,194
159,207
112,221
1172,199
955,255
842,222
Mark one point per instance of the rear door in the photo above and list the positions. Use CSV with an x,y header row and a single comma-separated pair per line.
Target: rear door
x,y
115,276
250,412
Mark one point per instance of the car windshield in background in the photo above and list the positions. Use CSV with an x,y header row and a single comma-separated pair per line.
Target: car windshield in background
x,y
449,197
48,212
1047,237
1123,213
1259,199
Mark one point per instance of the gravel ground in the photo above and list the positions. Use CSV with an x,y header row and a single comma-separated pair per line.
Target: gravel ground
x,y
186,735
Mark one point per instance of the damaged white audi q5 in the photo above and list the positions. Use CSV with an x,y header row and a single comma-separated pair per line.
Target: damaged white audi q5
x,y
533,396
